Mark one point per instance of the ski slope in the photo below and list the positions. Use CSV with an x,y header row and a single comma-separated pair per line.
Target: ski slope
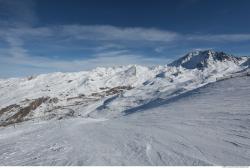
x,y
206,126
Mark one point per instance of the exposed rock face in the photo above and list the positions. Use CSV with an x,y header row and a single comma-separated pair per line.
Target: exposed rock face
x,y
22,112
8,108
111,91
117,90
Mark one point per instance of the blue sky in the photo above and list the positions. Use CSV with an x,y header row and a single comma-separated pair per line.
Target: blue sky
x,y
41,36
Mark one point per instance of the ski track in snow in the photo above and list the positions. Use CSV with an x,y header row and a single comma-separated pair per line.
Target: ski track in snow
x,y
206,126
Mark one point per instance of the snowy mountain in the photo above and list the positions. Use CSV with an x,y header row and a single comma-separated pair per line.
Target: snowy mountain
x,y
204,59
247,63
111,92
184,113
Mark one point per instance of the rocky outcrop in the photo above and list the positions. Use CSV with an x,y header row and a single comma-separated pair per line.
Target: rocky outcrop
x,y
22,112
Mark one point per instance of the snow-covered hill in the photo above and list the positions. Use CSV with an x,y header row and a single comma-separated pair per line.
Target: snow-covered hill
x,y
206,126
111,92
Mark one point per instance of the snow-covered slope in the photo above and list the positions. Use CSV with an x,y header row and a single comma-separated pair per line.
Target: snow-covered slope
x,y
206,126
111,92
247,63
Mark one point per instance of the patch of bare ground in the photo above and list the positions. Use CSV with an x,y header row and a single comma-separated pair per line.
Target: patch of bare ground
x,y
117,90
67,110
81,99
111,91
30,78
65,113
80,96
23,111
104,88
8,108
54,100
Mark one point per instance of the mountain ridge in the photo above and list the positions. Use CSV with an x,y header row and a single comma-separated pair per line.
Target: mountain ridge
x,y
109,92
200,59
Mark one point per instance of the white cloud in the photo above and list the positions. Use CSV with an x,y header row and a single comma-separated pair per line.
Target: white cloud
x,y
159,49
34,65
112,33
109,53
104,32
220,37
110,46
111,58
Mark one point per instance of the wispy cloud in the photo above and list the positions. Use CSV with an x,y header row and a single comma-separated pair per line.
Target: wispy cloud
x,y
26,48
105,32
112,33
220,37
109,46
35,65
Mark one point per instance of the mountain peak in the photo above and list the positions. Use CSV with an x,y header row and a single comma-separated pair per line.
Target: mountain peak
x,y
200,59
198,52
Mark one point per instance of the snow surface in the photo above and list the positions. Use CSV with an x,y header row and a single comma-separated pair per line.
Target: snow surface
x,y
207,126
187,113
